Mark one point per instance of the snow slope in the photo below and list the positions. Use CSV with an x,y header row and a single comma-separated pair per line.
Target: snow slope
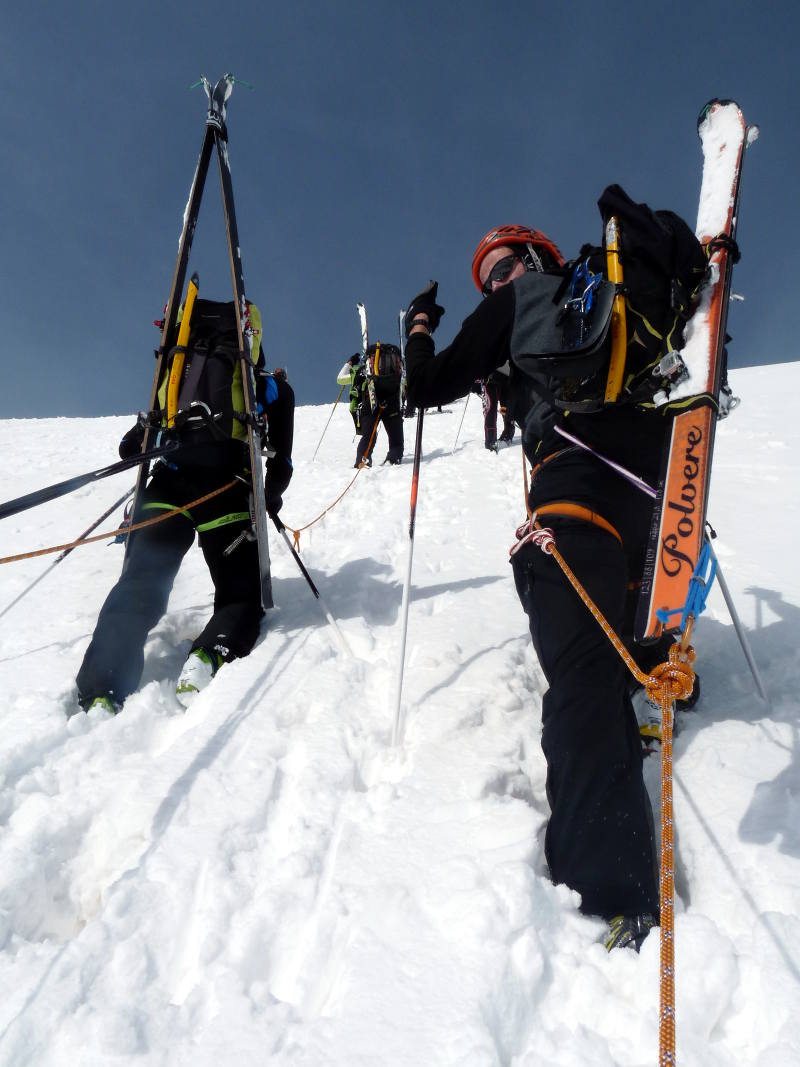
x,y
264,880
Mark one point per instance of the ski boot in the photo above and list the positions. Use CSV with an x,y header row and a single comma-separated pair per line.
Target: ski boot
x,y
103,702
198,670
629,931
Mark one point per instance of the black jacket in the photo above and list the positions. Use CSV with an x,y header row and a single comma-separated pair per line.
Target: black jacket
x,y
280,432
622,433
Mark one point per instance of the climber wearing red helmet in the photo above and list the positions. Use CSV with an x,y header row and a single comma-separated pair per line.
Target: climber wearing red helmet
x,y
530,249
599,838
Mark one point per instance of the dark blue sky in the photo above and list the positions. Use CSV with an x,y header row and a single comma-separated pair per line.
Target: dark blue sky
x,y
379,143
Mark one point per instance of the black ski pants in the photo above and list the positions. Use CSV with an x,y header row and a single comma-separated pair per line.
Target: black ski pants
x,y
115,657
392,420
599,840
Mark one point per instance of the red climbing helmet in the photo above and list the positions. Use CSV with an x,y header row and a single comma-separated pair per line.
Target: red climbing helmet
x,y
515,235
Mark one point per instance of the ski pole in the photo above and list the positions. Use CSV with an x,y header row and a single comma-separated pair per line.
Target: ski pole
x,y
463,413
340,636
737,625
67,551
51,492
327,424
398,721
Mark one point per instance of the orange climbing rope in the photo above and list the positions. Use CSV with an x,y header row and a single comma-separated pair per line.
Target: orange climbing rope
x,y
666,683
122,530
367,452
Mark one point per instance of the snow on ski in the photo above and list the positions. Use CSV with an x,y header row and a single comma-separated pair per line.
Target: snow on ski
x,y
678,526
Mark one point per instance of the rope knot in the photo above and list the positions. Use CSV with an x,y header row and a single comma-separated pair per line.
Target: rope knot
x,y
531,533
673,680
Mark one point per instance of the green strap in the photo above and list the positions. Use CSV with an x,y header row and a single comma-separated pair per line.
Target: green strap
x,y
224,520
156,506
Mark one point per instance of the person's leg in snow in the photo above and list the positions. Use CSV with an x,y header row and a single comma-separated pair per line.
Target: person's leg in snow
x,y
599,839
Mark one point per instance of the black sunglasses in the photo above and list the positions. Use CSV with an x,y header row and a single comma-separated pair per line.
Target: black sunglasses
x,y
499,272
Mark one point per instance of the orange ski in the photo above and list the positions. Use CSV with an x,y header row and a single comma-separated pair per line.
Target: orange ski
x,y
679,515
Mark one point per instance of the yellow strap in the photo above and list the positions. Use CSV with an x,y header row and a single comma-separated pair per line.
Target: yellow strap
x,y
223,520
619,339
178,359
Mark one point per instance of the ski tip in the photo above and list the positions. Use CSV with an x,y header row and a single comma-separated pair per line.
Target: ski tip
x,y
715,104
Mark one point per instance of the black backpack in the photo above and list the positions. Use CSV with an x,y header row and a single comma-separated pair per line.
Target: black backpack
x,y
384,370
561,339
211,381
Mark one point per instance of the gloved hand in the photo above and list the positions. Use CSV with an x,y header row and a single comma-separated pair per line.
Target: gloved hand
x,y
274,505
131,443
424,303
354,359
279,474
477,388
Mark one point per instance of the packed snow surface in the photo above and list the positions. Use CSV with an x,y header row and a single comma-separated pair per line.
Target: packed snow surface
x,y
265,880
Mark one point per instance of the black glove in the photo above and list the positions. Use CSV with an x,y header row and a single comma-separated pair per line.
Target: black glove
x,y
425,303
354,359
477,388
274,505
131,443
279,474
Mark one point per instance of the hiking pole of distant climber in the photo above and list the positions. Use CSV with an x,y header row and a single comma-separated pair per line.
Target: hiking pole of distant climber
x,y
463,413
326,610
397,731
737,625
67,551
327,424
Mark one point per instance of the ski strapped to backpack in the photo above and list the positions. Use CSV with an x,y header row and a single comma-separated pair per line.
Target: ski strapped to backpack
x,y
674,557
567,342
362,315
170,356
